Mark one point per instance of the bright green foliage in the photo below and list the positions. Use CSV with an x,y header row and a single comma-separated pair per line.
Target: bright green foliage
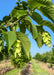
x,y
4,53
46,38
25,42
51,60
31,27
28,18
1,45
20,19
1,56
39,40
18,0
15,71
48,11
36,17
38,3
46,57
6,19
19,62
22,28
18,13
1,42
43,36
45,6
15,27
37,69
10,38
48,24
37,56
34,31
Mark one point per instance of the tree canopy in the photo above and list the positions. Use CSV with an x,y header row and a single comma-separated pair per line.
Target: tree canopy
x,y
20,17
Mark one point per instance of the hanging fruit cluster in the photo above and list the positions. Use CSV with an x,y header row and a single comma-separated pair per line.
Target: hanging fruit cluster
x,y
46,38
19,58
17,48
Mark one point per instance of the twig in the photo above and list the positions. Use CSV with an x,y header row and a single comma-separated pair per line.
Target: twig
x,y
16,21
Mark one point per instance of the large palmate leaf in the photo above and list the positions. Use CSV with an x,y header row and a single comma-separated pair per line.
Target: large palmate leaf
x,y
37,3
35,16
10,38
48,11
39,40
48,24
18,13
25,42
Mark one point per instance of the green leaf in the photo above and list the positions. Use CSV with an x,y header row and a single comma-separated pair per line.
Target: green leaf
x,y
6,19
27,18
1,48
34,31
22,28
1,42
18,13
35,16
37,3
1,23
40,29
39,40
48,11
15,27
48,24
19,0
25,42
3,28
10,38
32,28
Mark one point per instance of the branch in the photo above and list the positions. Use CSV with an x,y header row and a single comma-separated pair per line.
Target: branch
x,y
19,19
9,21
16,21
12,23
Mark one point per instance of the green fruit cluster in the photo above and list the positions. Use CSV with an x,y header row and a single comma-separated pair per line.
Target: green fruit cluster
x,y
46,38
19,58
17,48
20,62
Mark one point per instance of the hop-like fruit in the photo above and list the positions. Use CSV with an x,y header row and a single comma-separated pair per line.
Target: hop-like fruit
x,y
46,38
19,54
17,45
17,48
18,41
49,45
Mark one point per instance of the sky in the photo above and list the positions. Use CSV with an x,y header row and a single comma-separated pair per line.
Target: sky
x,y
5,9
